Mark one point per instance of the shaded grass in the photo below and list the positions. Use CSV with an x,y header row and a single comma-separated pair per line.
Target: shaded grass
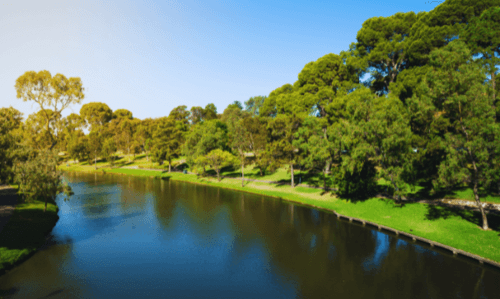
x,y
25,232
452,227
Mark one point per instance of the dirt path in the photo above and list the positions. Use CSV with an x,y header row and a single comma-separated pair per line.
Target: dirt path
x,y
8,201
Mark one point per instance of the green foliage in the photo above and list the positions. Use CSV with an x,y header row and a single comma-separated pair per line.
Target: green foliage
x,y
217,159
204,138
10,125
284,149
258,138
355,172
276,101
95,141
482,35
317,150
78,146
253,104
167,140
108,150
52,94
210,112
435,29
319,83
95,115
38,177
392,139
122,114
456,87
181,114
381,41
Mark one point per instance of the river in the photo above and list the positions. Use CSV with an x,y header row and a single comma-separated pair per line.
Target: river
x,y
132,237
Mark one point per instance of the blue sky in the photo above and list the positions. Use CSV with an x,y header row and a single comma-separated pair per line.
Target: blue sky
x,y
151,56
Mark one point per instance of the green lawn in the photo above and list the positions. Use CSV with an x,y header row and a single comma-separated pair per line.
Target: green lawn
x,y
452,227
25,232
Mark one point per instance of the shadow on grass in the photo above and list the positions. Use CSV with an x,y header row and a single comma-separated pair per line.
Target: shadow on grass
x,y
24,233
27,228
8,293
435,212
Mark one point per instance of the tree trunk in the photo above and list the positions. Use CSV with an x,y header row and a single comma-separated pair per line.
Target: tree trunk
x,y
169,165
478,201
242,173
328,166
218,174
291,168
324,179
398,198
95,159
494,86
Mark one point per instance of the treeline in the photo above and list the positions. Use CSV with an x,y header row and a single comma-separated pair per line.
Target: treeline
x,y
428,114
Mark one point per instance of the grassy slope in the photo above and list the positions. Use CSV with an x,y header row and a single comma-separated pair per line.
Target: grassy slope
x,y
456,228
25,232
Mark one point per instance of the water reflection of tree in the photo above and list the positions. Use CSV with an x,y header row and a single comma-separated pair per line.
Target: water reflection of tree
x,y
324,256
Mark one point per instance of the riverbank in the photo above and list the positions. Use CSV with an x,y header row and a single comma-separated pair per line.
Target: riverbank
x,y
25,231
455,228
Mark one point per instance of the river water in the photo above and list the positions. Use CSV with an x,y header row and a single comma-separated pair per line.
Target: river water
x,y
129,237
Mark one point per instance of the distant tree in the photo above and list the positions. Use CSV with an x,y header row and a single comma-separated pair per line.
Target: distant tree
x,y
136,148
258,137
50,93
95,115
196,115
204,138
253,104
95,145
210,112
122,114
78,146
108,150
125,134
232,114
240,143
167,140
276,101
218,159
283,148
235,104
143,133
181,114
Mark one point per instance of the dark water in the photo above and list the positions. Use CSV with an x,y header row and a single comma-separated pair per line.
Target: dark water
x,y
126,237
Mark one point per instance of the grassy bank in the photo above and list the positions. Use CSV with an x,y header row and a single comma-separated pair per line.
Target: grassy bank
x,y
452,227
25,232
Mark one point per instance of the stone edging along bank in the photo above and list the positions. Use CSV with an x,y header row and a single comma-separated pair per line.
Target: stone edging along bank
x,y
380,227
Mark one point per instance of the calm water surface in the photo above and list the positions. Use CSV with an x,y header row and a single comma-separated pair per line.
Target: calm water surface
x,y
126,237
